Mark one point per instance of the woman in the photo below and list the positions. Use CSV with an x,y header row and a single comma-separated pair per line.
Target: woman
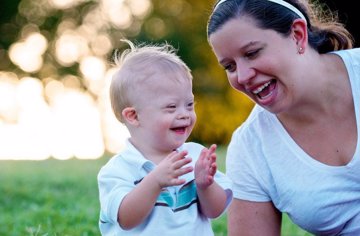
x,y
298,152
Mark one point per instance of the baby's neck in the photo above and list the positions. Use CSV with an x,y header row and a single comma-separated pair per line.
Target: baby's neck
x,y
156,159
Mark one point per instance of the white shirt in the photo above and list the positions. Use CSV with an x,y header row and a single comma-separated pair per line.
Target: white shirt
x,y
265,164
176,210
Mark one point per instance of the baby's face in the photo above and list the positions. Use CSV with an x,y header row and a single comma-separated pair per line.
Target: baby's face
x,y
165,109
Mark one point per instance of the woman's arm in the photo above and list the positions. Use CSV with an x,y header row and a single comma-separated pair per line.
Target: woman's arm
x,y
247,218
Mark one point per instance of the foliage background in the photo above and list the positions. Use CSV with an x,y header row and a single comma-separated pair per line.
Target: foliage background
x,y
182,23
54,197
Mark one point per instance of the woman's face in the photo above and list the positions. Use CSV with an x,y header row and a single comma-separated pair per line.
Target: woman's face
x,y
260,63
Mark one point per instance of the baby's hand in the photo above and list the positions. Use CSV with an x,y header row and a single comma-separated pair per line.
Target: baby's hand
x,y
168,171
205,167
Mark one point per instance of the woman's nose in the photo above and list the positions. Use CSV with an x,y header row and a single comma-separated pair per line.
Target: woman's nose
x,y
244,73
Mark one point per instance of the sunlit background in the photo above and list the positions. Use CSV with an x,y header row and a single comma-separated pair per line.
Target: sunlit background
x,y
55,70
63,115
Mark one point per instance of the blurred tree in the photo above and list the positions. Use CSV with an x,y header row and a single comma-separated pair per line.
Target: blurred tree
x,y
182,23
68,40
348,15
72,41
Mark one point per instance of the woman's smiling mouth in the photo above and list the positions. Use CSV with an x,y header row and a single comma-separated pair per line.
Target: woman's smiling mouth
x,y
265,90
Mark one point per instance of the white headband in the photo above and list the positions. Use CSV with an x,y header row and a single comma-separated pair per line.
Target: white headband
x,y
280,2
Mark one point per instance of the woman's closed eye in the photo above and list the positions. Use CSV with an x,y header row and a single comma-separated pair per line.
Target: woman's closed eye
x,y
252,54
230,67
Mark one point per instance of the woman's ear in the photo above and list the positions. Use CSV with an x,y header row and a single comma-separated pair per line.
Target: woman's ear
x,y
300,35
130,116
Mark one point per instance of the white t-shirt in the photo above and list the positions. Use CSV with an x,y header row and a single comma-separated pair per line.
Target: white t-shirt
x,y
265,164
176,210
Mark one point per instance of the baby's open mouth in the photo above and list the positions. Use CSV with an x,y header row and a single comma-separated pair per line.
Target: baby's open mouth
x,y
179,129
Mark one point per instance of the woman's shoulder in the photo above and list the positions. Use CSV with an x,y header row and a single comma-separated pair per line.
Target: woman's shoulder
x,y
352,55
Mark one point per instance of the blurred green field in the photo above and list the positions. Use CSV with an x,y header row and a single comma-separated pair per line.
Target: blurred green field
x,y
60,198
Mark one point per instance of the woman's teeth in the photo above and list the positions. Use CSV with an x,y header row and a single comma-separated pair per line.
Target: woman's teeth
x,y
261,88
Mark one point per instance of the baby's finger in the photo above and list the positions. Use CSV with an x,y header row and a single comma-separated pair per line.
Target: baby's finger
x,y
204,153
212,148
175,182
213,157
182,162
184,170
175,156
212,169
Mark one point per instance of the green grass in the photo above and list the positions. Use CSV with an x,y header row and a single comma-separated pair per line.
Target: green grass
x,y
60,198
49,197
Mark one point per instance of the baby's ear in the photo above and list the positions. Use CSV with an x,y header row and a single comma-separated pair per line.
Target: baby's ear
x,y
130,116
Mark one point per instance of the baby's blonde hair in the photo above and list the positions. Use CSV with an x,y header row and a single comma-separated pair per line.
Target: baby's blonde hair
x,y
137,64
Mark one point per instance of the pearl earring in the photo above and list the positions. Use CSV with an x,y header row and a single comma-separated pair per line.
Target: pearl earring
x,y
301,50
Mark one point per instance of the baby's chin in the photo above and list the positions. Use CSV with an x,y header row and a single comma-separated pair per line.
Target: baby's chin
x,y
176,145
